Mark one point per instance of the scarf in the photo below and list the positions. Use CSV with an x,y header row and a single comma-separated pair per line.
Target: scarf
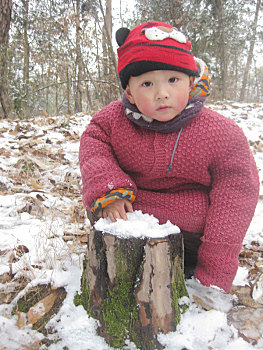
x,y
192,109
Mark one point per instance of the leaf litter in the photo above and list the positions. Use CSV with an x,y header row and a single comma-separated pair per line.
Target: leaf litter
x,y
43,235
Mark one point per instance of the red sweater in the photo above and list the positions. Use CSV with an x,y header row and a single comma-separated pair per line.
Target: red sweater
x,y
212,187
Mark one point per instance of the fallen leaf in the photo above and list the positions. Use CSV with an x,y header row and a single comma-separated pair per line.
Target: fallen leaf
x,y
244,296
20,320
5,277
35,185
251,332
246,254
201,303
84,238
5,153
33,346
2,130
40,198
36,312
259,264
257,290
71,237
68,238
38,162
249,323
21,250
256,247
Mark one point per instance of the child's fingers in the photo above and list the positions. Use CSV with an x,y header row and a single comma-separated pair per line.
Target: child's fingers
x,y
117,210
122,212
115,214
128,206
110,216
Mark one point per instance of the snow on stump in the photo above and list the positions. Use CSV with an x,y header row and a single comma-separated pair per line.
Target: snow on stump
x,y
133,279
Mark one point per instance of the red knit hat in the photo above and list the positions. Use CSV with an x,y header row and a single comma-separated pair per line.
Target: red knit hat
x,y
153,46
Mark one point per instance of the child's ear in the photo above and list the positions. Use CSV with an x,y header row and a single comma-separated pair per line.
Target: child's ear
x,y
191,83
128,94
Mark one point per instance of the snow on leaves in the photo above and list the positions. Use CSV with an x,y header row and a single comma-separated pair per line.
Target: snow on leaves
x,y
40,183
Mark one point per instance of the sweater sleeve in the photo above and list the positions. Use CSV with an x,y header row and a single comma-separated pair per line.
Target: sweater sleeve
x,y
233,198
99,167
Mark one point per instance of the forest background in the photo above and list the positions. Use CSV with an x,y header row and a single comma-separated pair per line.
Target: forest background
x,y
59,57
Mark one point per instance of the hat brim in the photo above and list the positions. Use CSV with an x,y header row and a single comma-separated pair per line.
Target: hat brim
x,y
139,67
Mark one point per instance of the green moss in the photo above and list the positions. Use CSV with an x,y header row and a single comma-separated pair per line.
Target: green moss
x,y
119,307
119,310
84,297
178,291
29,300
175,303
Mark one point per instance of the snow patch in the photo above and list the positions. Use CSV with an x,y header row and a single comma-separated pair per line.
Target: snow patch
x,y
138,225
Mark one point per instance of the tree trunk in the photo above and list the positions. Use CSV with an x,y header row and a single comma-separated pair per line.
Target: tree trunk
x,y
56,92
25,111
78,92
257,84
222,49
5,20
132,287
250,53
68,91
106,42
109,57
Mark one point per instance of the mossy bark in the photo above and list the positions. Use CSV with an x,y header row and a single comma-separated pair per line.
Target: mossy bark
x,y
132,286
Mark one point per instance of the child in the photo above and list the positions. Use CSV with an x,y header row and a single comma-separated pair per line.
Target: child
x,y
161,151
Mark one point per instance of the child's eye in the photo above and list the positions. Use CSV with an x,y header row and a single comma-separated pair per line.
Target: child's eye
x,y
147,84
173,80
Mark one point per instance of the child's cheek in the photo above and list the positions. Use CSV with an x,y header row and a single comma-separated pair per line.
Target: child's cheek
x,y
146,107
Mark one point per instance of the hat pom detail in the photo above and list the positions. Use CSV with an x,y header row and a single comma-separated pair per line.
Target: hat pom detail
x,y
121,35
161,33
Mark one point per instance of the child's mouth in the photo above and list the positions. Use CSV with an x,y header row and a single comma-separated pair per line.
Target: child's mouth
x,y
163,108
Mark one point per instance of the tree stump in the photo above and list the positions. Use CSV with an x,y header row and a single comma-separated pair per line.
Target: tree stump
x,y
132,286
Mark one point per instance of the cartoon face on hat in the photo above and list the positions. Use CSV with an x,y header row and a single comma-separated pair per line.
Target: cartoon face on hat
x,y
153,46
161,33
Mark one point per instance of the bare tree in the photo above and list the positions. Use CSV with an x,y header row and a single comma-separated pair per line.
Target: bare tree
x,y
78,92
5,20
250,52
222,49
26,58
109,58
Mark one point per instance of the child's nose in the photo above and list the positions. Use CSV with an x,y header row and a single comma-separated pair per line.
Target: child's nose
x,y
162,94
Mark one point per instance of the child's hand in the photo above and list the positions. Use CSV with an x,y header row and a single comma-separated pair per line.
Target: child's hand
x,y
117,210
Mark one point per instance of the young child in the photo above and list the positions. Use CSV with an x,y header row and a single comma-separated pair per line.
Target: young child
x,y
161,151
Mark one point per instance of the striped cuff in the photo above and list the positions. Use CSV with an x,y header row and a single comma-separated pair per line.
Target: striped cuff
x,y
109,197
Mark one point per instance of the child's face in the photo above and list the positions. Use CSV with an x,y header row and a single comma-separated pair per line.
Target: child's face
x,y
160,94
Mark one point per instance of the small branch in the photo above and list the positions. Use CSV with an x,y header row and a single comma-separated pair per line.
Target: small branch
x,y
74,81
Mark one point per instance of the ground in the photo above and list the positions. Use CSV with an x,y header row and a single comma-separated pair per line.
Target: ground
x,y
43,238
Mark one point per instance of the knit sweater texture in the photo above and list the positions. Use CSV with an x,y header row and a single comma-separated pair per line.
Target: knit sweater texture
x,y
212,188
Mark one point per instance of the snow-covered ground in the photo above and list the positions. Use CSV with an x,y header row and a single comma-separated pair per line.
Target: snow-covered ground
x,y
42,240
